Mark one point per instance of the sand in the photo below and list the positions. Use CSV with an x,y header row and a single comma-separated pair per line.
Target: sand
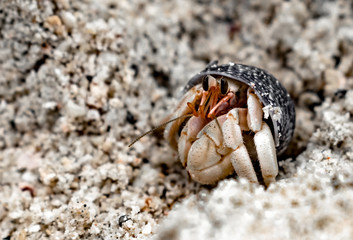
x,y
79,80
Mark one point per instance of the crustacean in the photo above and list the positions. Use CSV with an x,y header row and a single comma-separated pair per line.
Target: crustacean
x,y
237,118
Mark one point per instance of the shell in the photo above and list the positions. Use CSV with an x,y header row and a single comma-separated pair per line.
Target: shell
x,y
274,97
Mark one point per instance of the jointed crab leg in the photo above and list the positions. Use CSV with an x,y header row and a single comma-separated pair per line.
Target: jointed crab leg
x,y
242,164
266,152
254,112
264,143
233,139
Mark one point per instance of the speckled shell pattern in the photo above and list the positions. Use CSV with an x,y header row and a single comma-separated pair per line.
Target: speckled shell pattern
x,y
269,90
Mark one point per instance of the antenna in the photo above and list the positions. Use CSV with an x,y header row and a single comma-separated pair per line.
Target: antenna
x,y
159,126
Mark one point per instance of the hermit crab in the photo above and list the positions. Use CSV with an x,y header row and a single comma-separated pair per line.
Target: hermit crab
x,y
232,118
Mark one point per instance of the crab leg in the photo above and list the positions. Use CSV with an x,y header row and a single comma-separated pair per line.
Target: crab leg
x,y
264,143
266,153
254,112
233,139
242,164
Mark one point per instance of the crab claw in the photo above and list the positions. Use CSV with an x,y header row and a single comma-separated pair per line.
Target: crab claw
x,y
205,161
218,149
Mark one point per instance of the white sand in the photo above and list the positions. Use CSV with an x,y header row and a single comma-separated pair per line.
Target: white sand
x,y
80,79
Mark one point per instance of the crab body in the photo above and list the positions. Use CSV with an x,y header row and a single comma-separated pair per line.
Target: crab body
x,y
239,119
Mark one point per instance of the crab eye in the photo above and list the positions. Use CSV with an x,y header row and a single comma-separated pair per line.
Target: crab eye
x,y
205,84
224,86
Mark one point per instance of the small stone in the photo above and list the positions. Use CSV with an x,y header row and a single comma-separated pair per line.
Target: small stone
x,y
146,230
49,105
49,217
333,80
69,19
116,103
54,23
98,96
107,145
34,228
122,219
74,110
93,115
